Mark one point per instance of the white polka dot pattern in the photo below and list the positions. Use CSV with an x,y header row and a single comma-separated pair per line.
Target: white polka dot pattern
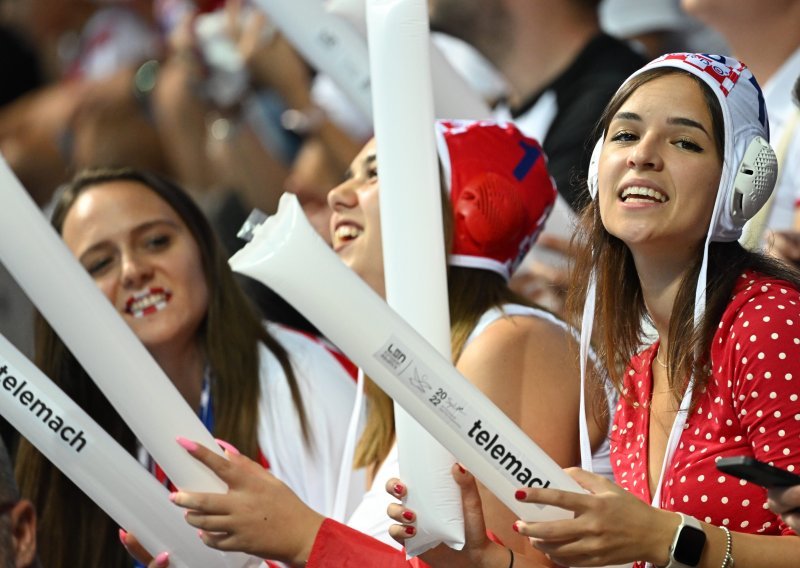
x,y
750,407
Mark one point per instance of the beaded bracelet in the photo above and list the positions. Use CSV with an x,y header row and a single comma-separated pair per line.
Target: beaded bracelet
x,y
727,561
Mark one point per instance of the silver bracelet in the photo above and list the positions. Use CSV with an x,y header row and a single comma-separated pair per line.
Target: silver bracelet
x,y
727,562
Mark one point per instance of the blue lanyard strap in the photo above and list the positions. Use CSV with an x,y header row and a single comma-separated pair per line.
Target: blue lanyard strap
x,y
206,411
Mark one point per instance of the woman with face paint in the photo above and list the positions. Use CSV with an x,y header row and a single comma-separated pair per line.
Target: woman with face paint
x,y
277,395
523,358
681,164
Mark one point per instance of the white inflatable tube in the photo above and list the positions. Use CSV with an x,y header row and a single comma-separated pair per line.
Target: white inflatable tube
x,y
414,261
453,97
98,337
337,47
98,465
287,255
329,44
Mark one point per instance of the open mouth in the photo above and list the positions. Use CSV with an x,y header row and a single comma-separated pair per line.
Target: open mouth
x,y
147,302
346,233
637,194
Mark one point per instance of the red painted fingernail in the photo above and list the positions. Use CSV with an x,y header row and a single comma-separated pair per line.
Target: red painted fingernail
x,y
520,495
162,559
122,536
228,447
398,488
461,469
514,527
408,515
186,444
410,530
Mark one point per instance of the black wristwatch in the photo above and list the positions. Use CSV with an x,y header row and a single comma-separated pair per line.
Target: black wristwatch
x,y
687,546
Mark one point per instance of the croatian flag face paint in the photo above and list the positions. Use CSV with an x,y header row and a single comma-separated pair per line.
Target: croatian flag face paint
x,y
147,302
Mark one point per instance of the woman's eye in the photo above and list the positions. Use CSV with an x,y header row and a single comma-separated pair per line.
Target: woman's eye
x,y
372,173
98,266
624,136
158,242
687,144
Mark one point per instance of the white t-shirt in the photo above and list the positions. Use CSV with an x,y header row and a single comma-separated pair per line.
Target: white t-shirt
x,y
328,394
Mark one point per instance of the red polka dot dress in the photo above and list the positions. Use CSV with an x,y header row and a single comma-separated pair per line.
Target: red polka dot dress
x,y
751,406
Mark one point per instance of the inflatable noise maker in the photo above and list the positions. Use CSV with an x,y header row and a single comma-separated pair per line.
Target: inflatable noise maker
x,y
399,360
104,345
333,42
414,266
329,43
98,465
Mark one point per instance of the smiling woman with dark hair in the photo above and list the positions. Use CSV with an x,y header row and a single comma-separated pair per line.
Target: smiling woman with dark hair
x,y
274,393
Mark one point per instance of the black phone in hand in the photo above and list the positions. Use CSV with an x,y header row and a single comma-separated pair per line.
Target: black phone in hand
x,y
749,468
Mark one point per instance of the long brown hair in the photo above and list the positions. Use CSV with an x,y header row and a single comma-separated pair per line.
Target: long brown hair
x,y
230,335
620,309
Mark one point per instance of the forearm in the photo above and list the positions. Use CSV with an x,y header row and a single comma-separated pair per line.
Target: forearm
x,y
180,118
749,550
249,168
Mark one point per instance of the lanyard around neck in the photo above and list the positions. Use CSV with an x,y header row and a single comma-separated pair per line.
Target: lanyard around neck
x,y
674,439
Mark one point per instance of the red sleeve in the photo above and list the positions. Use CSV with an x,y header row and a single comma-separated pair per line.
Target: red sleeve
x,y
339,546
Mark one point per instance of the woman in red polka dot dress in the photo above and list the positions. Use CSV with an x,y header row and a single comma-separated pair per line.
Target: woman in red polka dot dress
x,y
680,167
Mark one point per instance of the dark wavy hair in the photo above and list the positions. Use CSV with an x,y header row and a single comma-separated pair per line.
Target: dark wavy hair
x,y
78,533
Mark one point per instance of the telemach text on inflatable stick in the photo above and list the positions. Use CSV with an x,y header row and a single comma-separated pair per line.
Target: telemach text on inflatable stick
x,y
97,464
20,391
399,360
457,412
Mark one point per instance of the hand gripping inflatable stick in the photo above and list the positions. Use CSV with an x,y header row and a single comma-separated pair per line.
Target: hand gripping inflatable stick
x,y
287,255
101,341
98,465
414,261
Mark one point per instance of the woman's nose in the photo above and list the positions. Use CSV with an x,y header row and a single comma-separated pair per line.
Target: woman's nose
x,y
343,196
136,271
645,154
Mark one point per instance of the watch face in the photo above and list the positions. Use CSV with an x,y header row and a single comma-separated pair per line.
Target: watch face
x,y
689,546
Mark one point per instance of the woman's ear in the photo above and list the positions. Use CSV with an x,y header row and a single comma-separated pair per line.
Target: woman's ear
x,y
23,533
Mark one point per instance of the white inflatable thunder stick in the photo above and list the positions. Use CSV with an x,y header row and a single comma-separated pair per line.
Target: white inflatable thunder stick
x,y
98,337
453,97
287,255
329,43
414,260
98,465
